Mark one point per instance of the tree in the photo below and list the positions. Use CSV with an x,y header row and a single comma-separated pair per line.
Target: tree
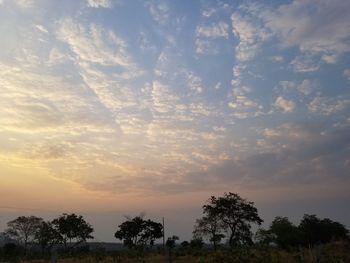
x,y
152,231
5,238
285,233
209,226
72,227
171,243
196,243
23,229
47,236
236,214
137,232
264,237
317,231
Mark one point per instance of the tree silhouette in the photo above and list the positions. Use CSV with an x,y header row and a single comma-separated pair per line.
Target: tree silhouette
x,y
72,227
171,243
317,231
137,232
236,214
209,226
47,236
285,233
23,229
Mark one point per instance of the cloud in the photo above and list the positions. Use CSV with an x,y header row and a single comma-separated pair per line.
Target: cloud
x,y
285,105
244,107
194,82
328,106
99,3
307,86
38,102
208,12
25,4
112,91
159,11
286,85
94,44
204,46
307,156
250,35
218,85
308,25
42,28
346,73
164,101
305,63
277,58
48,150
77,104
214,31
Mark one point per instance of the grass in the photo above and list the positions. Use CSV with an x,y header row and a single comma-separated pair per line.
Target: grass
x,y
337,252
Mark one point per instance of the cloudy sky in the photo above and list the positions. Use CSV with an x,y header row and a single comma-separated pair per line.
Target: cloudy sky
x,y
112,108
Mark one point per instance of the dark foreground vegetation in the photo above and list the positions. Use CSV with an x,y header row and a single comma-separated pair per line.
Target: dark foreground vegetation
x,y
223,234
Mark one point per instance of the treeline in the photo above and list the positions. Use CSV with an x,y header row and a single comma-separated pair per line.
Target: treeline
x,y
311,231
67,230
231,216
226,223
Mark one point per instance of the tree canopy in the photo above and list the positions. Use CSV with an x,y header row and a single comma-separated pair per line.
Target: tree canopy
x,y
209,226
236,215
72,228
23,229
310,231
320,231
47,236
139,232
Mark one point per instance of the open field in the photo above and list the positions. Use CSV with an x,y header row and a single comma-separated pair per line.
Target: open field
x,y
329,253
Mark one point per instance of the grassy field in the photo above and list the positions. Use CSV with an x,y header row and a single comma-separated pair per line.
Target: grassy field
x,y
329,253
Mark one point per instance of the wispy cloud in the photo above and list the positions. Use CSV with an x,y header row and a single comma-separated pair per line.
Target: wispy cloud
x,y
217,30
93,44
189,97
99,3
346,73
328,106
159,11
249,34
302,24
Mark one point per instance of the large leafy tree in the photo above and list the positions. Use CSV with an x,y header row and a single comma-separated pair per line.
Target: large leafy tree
x,y
73,229
236,214
137,232
23,229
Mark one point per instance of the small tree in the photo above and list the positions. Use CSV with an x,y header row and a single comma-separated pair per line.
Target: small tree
x,y
137,232
209,226
171,243
23,229
264,237
47,236
72,228
236,214
285,233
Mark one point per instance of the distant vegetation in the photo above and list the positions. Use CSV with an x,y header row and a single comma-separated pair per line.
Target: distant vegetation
x,y
222,234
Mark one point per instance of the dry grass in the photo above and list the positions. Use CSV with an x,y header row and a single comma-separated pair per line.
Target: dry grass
x,y
329,253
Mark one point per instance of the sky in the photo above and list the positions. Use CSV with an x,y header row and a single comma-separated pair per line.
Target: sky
x,y
114,108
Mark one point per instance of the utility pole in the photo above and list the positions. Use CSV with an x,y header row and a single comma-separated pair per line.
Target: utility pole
x,y
163,234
